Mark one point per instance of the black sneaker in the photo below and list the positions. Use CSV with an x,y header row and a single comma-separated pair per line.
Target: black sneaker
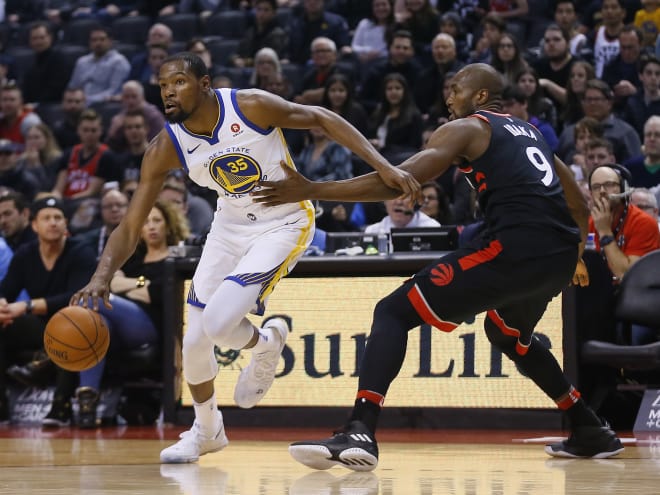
x,y
60,414
88,399
353,447
36,373
597,442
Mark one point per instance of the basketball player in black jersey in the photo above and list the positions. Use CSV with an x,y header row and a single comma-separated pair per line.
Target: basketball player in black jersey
x,y
528,250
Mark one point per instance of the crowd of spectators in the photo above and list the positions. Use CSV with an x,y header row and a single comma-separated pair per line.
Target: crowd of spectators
x,y
79,94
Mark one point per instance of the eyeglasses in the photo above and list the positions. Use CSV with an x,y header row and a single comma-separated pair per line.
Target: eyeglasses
x,y
506,45
608,185
556,40
321,50
110,206
593,99
645,207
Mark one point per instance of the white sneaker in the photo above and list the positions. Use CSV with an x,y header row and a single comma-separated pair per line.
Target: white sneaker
x,y
255,379
193,443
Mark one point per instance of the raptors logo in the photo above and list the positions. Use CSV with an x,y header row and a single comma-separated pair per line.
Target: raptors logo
x,y
442,274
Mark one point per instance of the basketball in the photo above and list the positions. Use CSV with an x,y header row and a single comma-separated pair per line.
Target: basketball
x,y
76,338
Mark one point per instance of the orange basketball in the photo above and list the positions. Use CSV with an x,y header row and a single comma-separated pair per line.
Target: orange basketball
x,y
76,338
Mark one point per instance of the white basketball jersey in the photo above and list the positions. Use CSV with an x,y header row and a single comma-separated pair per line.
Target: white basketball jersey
x,y
604,50
233,158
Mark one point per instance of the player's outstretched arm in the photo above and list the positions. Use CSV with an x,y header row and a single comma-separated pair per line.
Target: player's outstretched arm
x,y
269,110
447,144
157,161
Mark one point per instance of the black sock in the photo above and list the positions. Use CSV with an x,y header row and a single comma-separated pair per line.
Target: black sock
x,y
367,412
580,414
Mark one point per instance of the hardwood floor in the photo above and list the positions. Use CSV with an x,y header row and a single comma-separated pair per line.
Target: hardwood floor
x,y
412,462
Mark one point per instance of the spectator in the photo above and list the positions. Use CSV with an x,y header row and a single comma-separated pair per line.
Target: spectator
x,y
136,317
492,26
132,100
554,66
266,66
14,175
371,34
621,73
135,134
265,32
507,58
644,199
421,20
198,46
83,169
114,204
323,159
452,24
400,59
623,232
196,209
585,130
15,219
431,79
401,213
100,73
315,21
397,123
45,80
597,103
645,167
324,64
41,152
65,127
159,34
16,118
50,269
436,203
438,112
566,18
606,38
647,19
338,96
580,73
646,102
538,104
156,56
514,102
598,152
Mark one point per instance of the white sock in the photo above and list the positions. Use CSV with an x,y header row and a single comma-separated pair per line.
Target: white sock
x,y
266,340
208,416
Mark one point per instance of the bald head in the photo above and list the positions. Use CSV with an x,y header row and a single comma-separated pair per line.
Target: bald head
x,y
483,77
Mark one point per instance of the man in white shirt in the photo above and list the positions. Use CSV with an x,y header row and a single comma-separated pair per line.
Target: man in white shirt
x,y
400,214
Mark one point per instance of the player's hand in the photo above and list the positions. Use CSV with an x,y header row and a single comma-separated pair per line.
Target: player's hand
x,y
291,189
403,181
90,295
581,275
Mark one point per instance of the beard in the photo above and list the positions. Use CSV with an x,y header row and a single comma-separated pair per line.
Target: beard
x,y
177,117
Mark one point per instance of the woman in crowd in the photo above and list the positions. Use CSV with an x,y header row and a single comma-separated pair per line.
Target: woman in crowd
x,y
339,96
266,66
538,104
41,150
371,34
507,58
323,159
436,203
397,123
137,305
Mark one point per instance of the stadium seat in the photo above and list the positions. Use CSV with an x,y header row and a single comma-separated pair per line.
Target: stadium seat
x,y
230,24
76,31
131,30
183,26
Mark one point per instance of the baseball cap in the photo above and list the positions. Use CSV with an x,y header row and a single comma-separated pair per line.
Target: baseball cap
x,y
7,145
47,202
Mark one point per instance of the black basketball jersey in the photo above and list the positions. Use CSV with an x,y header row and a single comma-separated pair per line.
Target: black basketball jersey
x,y
515,178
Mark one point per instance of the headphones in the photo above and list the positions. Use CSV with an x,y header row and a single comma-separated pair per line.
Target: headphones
x,y
625,178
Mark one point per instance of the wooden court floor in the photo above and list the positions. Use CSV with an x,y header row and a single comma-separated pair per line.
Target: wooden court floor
x,y
124,460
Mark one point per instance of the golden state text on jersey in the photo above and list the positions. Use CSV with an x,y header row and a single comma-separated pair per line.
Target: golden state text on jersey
x,y
234,156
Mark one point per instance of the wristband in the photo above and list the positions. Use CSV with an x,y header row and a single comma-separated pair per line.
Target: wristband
x,y
605,240
29,306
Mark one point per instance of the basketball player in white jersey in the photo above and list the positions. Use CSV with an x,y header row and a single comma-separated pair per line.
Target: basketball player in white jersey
x,y
229,140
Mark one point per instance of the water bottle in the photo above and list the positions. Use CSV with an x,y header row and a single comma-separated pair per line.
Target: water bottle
x,y
590,245
383,244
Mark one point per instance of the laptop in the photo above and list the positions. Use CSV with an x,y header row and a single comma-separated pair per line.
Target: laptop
x,y
443,238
